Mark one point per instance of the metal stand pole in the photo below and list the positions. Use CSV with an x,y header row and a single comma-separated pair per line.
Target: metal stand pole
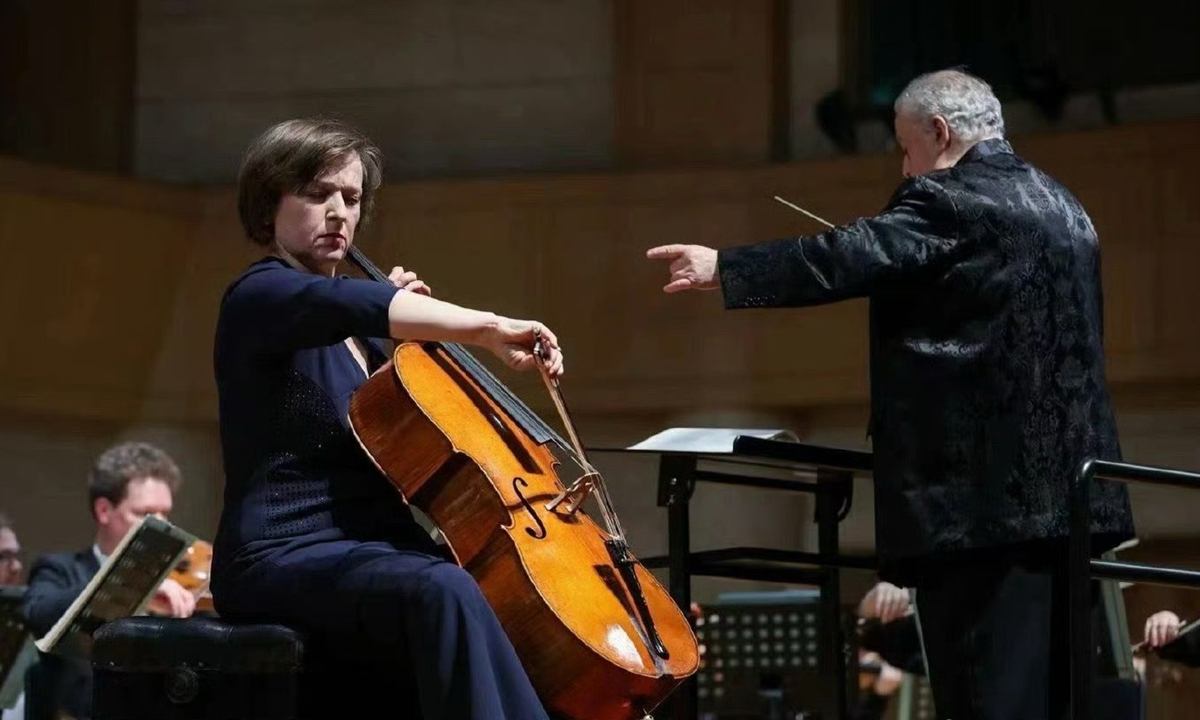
x,y
1079,580
675,483
830,498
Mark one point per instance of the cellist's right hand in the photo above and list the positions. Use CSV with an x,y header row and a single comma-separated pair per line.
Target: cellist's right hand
x,y
513,342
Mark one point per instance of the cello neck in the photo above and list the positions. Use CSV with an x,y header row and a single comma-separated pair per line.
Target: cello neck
x,y
533,425
364,263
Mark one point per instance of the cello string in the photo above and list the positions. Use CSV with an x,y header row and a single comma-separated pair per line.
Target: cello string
x,y
477,371
517,409
560,405
644,619
607,511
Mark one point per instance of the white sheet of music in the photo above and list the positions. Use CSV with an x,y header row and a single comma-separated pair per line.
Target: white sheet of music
x,y
17,651
707,440
122,587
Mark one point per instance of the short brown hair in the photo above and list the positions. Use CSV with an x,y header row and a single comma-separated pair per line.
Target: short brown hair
x,y
121,464
289,156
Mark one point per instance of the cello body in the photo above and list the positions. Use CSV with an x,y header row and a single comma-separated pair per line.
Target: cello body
x,y
192,572
454,452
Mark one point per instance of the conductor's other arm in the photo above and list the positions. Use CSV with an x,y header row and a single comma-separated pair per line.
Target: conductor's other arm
x,y
918,228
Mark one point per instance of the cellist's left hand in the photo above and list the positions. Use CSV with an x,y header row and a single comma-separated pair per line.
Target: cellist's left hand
x,y
407,280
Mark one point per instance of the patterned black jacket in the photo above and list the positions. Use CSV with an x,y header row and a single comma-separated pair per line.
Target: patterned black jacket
x,y
988,386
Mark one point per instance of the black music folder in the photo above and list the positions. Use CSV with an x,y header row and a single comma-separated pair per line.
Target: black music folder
x,y
17,651
123,586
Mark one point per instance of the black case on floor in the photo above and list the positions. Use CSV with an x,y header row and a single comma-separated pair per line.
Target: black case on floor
x,y
149,668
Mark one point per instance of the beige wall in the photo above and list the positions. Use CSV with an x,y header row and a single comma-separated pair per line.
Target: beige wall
x,y
173,90
67,71
446,87
457,88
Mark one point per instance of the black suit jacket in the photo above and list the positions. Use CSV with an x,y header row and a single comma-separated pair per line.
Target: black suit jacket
x,y
1184,650
57,684
988,385
897,642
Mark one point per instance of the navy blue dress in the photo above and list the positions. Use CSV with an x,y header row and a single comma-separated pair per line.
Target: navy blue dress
x,y
311,534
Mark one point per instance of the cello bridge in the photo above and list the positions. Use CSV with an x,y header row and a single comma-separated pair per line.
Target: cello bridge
x,y
573,496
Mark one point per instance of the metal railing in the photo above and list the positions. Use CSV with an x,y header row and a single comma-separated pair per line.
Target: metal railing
x,y
1082,569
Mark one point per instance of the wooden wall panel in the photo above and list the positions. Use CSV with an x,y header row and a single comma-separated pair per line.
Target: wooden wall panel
x,y
126,277
693,81
1179,188
1173,691
89,287
67,77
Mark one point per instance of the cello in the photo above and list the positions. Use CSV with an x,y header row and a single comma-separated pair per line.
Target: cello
x,y
192,572
597,634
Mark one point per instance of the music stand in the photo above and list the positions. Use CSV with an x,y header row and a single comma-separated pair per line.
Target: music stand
x,y
17,651
753,459
122,587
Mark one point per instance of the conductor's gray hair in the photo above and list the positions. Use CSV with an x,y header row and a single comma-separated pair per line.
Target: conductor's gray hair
x,y
969,106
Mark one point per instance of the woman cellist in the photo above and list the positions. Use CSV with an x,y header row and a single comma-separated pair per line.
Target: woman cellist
x,y
310,535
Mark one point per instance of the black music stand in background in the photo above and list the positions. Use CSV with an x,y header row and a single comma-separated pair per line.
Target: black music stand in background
x,y
754,459
17,651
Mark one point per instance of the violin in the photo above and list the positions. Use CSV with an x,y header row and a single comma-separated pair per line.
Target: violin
x,y
599,637
868,672
192,573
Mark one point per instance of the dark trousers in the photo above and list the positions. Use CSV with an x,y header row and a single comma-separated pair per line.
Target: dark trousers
x,y
996,634
416,628
58,686
871,706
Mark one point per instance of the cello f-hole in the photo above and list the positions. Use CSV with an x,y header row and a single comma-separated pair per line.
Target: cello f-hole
x,y
541,532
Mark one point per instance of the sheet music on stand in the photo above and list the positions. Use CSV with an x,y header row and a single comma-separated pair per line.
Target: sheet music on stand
x,y
122,587
716,441
17,651
758,459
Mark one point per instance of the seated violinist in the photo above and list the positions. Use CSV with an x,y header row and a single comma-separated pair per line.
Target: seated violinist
x,y
12,572
311,534
127,482
877,684
887,626
1162,635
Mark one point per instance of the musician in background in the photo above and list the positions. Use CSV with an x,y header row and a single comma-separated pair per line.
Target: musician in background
x,y
127,482
11,573
887,625
888,647
1162,635
11,567
877,687
988,388
311,533
884,602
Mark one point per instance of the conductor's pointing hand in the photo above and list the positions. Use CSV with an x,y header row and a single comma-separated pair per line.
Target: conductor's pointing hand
x,y
693,267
